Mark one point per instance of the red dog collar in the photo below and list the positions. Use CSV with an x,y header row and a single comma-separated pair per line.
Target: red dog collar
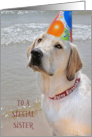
x,y
66,92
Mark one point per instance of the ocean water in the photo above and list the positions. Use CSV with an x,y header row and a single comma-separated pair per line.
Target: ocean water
x,y
18,30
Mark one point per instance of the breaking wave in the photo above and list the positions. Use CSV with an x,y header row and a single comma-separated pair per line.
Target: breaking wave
x,y
23,33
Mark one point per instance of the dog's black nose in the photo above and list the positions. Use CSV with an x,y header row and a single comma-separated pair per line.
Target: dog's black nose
x,y
37,53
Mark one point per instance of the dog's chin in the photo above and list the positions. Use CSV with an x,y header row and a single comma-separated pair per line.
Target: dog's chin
x,y
39,69
35,68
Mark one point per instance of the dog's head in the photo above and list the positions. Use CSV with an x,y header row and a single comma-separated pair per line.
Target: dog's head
x,y
49,54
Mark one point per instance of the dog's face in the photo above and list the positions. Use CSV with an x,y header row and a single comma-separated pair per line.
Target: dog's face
x,y
49,54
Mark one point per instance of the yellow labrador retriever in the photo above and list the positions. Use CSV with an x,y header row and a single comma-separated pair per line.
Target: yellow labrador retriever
x,y
66,92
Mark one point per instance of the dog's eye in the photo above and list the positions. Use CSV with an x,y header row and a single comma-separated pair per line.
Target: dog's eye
x,y
58,46
39,40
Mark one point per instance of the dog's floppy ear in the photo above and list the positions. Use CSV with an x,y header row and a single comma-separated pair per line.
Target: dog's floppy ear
x,y
30,49
74,63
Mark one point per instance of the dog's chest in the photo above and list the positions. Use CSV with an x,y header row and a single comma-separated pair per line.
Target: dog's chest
x,y
63,118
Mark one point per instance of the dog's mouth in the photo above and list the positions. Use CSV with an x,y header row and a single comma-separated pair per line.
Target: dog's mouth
x,y
34,64
34,67
38,68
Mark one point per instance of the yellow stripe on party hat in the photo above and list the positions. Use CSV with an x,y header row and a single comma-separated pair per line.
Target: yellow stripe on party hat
x,y
62,26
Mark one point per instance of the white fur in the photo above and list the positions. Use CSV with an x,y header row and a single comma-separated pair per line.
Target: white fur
x,y
71,115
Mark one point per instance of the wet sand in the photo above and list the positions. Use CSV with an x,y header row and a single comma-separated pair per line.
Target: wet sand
x,y
40,126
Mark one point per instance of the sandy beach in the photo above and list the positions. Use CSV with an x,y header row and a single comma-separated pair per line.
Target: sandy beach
x,y
40,126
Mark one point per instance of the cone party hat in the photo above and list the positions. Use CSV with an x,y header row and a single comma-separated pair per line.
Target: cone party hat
x,y
61,26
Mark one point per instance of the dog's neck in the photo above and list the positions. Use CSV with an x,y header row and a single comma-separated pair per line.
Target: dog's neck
x,y
53,85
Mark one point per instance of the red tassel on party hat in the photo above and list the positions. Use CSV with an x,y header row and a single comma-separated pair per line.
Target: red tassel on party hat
x,y
62,26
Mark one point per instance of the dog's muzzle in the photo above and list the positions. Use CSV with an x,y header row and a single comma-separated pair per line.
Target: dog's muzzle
x,y
36,55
